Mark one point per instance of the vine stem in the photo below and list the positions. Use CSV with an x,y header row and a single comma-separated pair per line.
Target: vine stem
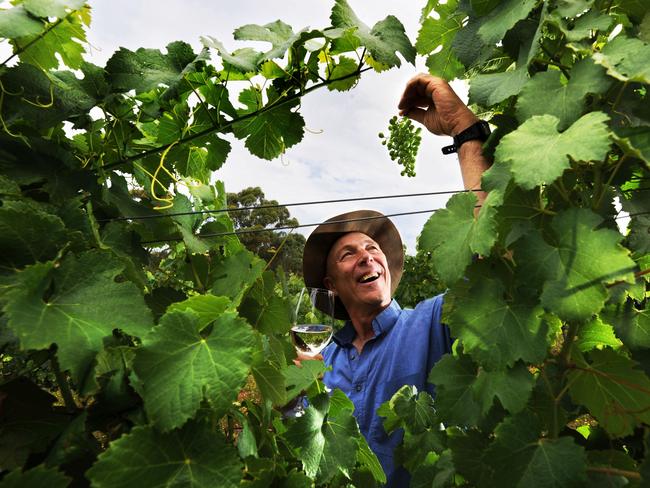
x,y
615,471
554,427
64,386
565,353
220,128
619,96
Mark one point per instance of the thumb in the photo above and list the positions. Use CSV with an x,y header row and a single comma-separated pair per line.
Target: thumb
x,y
414,113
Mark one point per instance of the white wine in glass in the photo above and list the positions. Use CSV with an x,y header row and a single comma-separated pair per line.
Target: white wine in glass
x,y
312,321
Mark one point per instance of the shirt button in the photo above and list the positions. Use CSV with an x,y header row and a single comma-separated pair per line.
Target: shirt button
x,y
358,387
352,355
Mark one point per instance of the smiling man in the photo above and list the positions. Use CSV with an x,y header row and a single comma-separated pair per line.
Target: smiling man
x,y
359,256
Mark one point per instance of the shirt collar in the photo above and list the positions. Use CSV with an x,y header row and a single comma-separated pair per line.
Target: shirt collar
x,y
381,324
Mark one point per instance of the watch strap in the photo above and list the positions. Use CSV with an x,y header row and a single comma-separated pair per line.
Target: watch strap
x,y
480,130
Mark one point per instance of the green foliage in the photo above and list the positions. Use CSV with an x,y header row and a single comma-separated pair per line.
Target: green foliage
x,y
142,343
547,385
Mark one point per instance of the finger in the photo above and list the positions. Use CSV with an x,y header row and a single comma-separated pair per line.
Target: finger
x,y
415,88
414,113
417,101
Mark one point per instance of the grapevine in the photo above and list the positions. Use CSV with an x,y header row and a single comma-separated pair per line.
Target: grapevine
x,y
126,364
403,143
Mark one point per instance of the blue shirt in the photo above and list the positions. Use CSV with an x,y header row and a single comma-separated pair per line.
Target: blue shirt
x,y
406,345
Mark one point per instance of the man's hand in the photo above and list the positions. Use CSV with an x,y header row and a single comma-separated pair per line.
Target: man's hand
x,y
300,357
432,102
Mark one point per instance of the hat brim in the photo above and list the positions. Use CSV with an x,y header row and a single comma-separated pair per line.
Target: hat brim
x,y
369,222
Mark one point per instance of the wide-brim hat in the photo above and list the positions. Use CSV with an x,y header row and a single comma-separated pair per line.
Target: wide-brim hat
x,y
318,245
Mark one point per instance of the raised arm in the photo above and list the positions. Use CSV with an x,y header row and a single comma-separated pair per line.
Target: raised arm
x,y
432,102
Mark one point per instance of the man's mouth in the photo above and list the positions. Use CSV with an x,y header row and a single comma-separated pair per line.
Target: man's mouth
x,y
369,277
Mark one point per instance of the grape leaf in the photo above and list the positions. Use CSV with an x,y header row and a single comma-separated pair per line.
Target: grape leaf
x,y
243,60
383,41
207,307
268,134
454,234
468,451
264,309
455,401
615,392
236,273
344,67
435,472
66,39
596,334
520,458
512,387
200,160
301,378
626,59
38,477
572,8
546,94
279,34
635,141
16,22
503,18
633,326
28,422
179,367
441,31
586,25
368,459
495,332
493,88
325,445
52,8
576,264
21,229
193,456
465,393
75,303
539,154
407,407
146,69
271,383
74,444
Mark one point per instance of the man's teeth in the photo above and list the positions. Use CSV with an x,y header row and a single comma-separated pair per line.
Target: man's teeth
x,y
368,277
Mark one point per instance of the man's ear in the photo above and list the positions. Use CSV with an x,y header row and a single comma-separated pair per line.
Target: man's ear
x,y
329,284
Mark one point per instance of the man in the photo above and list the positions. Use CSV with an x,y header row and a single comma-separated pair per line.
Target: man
x,y
359,256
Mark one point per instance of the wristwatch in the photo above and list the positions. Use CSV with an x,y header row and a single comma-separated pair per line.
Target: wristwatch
x,y
480,130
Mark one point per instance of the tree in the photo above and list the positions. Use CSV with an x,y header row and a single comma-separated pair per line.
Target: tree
x,y
419,280
282,247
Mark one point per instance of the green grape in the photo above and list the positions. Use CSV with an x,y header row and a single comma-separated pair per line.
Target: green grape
x,y
403,143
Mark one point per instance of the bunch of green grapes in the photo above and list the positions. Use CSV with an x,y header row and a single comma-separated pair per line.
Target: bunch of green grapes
x,y
403,143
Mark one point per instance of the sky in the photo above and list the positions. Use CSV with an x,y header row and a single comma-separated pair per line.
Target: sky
x,y
341,155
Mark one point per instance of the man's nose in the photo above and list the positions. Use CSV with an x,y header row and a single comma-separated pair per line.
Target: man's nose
x,y
366,257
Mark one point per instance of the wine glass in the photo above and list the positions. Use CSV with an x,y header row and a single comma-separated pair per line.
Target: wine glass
x,y
312,321
312,325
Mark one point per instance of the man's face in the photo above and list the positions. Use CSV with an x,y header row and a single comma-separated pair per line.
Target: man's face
x,y
357,272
